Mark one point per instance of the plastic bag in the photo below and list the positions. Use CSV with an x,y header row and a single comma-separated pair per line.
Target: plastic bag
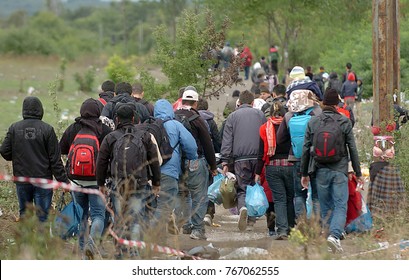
x,y
68,221
213,192
228,192
256,200
363,223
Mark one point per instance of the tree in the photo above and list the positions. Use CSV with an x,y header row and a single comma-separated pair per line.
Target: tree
x,y
191,58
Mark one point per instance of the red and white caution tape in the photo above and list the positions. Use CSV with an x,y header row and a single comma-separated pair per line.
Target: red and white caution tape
x,y
52,184
153,247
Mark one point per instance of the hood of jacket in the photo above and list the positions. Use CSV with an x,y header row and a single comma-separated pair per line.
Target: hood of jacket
x,y
207,115
32,108
90,112
163,110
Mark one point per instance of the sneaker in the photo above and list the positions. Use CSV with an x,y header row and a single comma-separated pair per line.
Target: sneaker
x,y
187,230
198,235
208,220
89,251
334,244
279,237
272,232
243,219
343,236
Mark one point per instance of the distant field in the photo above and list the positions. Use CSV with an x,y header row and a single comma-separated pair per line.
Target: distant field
x,y
19,73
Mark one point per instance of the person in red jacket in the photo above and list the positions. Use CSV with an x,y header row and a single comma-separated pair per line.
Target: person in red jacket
x,y
247,61
279,172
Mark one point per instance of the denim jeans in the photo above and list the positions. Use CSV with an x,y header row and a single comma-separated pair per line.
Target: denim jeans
x,y
196,183
281,182
131,213
244,171
166,200
333,195
93,206
300,195
28,193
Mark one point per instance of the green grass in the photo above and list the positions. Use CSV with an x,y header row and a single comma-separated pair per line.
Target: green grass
x,y
17,74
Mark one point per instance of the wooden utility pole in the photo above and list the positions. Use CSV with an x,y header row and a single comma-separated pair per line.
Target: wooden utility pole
x,y
386,56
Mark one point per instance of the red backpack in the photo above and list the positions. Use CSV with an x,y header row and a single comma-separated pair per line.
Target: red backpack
x,y
82,156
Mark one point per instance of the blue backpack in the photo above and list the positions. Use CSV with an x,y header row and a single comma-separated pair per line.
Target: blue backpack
x,y
297,126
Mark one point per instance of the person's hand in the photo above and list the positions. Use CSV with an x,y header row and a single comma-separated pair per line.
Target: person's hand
x,y
257,179
361,182
156,190
67,188
305,180
103,190
225,170
214,172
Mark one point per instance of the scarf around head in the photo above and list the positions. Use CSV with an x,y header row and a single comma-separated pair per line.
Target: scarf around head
x,y
301,100
271,134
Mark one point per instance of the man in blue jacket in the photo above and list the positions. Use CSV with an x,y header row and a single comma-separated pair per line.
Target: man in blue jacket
x,y
182,141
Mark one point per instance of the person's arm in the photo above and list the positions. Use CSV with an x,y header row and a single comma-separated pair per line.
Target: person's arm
x,y
6,146
353,151
103,161
217,141
54,156
227,141
206,143
151,155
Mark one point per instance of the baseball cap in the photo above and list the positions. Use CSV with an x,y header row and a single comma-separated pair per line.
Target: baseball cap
x,y
190,95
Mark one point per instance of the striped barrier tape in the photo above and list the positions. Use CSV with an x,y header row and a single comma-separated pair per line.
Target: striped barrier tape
x,y
52,184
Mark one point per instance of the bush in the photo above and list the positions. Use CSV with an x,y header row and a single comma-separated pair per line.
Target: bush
x,y
120,70
85,82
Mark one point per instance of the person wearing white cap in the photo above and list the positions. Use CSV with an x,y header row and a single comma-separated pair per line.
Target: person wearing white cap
x,y
197,179
300,81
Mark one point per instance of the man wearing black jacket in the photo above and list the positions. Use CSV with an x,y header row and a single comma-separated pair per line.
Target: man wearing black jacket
x,y
197,170
32,146
130,194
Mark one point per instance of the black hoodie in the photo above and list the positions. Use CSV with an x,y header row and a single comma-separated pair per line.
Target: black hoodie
x,y
32,145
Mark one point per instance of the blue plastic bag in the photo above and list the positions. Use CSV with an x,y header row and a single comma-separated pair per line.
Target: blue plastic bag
x,y
256,201
213,192
68,221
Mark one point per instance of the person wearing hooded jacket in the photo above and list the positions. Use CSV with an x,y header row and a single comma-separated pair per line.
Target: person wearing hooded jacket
x,y
92,204
32,146
300,82
182,141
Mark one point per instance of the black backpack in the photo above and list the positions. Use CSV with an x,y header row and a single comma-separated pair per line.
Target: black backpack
x,y
157,129
129,156
185,120
328,144
82,156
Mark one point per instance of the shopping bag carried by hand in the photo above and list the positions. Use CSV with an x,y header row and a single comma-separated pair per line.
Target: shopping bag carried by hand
x,y
228,192
256,200
213,192
68,221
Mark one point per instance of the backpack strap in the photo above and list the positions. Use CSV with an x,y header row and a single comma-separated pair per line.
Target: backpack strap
x,y
102,100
